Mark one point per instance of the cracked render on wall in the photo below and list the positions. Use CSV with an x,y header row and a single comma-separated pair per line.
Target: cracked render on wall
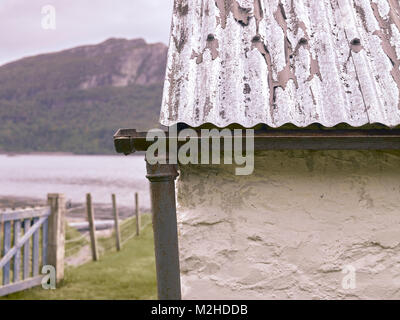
x,y
288,230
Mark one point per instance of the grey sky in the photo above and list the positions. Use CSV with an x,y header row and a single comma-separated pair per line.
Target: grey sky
x,y
79,22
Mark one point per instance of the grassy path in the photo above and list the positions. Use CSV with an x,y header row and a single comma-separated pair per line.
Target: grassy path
x,y
128,274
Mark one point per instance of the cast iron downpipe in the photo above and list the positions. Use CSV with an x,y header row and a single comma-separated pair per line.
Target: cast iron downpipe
x,y
162,187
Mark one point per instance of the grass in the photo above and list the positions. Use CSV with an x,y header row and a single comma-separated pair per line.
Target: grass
x,y
128,274
127,229
73,247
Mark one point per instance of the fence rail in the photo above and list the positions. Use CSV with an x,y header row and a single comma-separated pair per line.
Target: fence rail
x,y
118,238
30,236
33,221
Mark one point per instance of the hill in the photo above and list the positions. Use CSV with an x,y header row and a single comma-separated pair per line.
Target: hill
x,y
74,100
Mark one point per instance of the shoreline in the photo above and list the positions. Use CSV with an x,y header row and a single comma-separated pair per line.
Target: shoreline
x,y
55,153
13,154
77,211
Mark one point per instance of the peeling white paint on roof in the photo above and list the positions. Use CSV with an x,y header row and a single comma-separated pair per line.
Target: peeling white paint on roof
x,y
283,61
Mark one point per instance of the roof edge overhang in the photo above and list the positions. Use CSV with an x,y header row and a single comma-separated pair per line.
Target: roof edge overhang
x,y
289,137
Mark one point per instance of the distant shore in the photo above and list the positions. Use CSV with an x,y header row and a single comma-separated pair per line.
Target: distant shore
x,y
77,211
19,202
56,153
27,178
11,154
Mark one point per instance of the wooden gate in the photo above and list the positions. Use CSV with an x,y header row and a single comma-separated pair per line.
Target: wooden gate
x,y
25,247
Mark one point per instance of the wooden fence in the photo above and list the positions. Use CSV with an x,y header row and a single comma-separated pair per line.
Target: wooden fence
x,y
35,237
31,238
92,224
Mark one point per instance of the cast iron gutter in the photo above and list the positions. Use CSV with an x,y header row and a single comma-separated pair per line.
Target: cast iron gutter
x,y
128,141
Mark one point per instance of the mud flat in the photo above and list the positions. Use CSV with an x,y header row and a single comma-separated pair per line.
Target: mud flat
x,y
75,211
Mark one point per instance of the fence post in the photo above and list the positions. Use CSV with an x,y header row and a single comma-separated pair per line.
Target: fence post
x,y
137,213
92,227
116,222
56,233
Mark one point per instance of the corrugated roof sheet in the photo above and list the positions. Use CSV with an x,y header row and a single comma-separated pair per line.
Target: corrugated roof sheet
x,y
287,61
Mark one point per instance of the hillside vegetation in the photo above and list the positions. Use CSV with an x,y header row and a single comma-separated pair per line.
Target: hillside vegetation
x,y
75,100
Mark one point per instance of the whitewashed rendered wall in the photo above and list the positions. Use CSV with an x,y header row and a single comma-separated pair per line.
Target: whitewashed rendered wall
x,y
288,230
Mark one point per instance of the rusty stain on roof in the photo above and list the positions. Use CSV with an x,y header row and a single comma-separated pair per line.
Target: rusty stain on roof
x,y
283,61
